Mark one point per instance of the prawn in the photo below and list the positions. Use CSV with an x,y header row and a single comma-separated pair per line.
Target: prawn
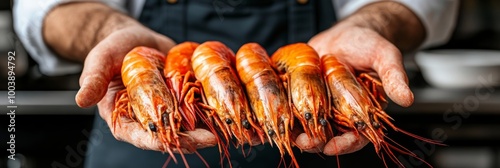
x,y
299,67
267,96
147,99
357,109
179,76
213,64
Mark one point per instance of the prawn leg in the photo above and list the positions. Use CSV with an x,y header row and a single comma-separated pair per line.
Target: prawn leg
x,y
357,108
267,96
299,67
213,65
189,92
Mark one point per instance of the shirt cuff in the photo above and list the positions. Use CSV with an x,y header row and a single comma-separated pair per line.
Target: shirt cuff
x,y
28,23
437,16
28,20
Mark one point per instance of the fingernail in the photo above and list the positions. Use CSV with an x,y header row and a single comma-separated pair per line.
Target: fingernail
x,y
404,94
79,98
396,85
89,92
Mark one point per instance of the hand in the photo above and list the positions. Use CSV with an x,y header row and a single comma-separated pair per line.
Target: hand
x,y
100,80
363,50
100,37
366,42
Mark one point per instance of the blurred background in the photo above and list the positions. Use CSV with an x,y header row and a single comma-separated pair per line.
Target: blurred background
x,y
51,128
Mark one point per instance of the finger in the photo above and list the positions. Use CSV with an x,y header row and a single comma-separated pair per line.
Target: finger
x,y
256,141
130,131
99,68
202,138
164,43
126,129
105,59
133,133
309,145
389,66
346,143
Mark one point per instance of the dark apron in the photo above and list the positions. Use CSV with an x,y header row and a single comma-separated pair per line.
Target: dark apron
x,y
271,23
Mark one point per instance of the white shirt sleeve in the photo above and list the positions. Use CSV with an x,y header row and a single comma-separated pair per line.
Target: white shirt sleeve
x,y
28,22
437,16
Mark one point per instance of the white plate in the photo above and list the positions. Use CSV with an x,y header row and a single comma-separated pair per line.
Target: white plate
x,y
460,68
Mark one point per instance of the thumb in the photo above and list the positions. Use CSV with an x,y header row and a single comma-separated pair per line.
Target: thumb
x,y
99,68
389,66
104,61
164,44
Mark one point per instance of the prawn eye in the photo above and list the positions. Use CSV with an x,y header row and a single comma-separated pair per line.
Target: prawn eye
x,y
307,115
152,126
245,124
360,124
270,132
376,125
322,122
229,121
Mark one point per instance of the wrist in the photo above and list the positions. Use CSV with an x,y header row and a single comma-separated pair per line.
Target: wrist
x,y
71,30
393,21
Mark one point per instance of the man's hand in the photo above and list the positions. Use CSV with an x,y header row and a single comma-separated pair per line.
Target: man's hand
x,y
131,132
371,40
100,37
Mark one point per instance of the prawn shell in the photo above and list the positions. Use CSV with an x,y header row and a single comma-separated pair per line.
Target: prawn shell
x,y
357,109
179,78
267,95
213,65
148,94
264,89
299,66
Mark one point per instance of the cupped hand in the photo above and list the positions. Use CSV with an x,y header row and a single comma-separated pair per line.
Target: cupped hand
x,y
100,81
363,50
